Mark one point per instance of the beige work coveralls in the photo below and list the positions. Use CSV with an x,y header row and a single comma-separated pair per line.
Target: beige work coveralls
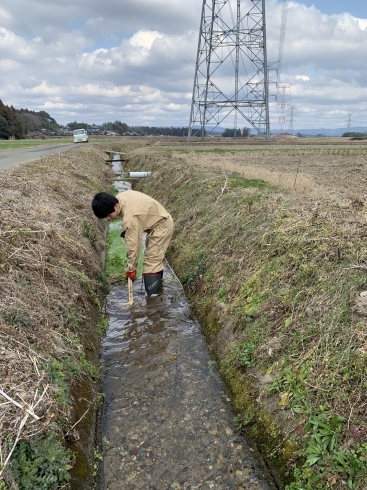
x,y
141,213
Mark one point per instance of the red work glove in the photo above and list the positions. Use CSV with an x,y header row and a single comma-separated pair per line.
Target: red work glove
x,y
131,275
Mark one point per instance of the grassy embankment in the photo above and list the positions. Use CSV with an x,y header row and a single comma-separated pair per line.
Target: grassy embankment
x,y
52,287
275,279
28,143
19,144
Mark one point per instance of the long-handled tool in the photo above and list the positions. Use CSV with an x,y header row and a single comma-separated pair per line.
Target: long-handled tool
x,y
130,286
130,289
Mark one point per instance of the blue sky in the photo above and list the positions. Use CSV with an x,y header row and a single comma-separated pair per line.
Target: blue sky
x,y
358,8
95,61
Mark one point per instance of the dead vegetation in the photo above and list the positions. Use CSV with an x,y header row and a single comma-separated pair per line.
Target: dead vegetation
x,y
272,251
51,284
270,244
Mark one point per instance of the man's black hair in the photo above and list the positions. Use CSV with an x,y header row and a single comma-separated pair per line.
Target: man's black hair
x,y
103,204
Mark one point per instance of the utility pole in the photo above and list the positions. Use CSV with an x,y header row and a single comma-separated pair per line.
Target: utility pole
x,y
283,89
291,119
231,72
349,123
283,101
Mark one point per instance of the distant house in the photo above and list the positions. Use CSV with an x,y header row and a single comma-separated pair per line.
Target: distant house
x,y
94,129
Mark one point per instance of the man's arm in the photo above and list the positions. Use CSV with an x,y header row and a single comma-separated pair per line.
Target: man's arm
x,y
133,239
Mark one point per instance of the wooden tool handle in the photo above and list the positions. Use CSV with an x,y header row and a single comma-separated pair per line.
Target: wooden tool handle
x,y
130,286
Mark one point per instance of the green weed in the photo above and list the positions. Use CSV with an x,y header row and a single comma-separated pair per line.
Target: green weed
x,y
222,291
116,255
15,317
325,459
291,381
236,182
242,354
41,463
102,325
195,271
72,318
58,375
90,232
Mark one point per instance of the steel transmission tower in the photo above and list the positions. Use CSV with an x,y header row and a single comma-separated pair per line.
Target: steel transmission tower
x,y
231,75
349,123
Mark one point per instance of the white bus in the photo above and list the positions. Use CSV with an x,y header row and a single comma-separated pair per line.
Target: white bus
x,y
80,136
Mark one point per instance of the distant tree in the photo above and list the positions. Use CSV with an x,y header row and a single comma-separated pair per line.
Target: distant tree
x,y
18,127
117,127
48,122
31,122
229,133
34,121
4,128
77,125
120,127
354,134
197,132
14,126
246,132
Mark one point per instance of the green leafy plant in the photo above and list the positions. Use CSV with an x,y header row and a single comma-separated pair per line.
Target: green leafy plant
x,y
102,325
41,463
14,317
3,485
116,256
236,182
223,291
195,271
242,354
90,232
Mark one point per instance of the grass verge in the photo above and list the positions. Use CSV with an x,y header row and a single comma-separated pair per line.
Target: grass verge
x,y
277,281
52,284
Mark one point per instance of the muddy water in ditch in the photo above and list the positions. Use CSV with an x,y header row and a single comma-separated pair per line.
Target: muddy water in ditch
x,y
167,422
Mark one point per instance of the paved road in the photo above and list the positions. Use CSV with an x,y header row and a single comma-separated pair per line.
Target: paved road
x,y
10,158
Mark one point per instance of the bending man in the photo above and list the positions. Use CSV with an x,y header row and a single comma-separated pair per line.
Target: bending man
x,y
139,213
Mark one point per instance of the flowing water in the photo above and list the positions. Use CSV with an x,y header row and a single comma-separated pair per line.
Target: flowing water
x,y
167,422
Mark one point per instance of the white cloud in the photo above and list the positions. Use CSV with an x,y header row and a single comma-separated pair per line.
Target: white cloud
x,y
145,39
305,78
134,60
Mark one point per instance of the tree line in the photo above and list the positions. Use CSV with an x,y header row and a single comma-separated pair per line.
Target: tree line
x,y
355,135
17,123
121,128
231,133
11,124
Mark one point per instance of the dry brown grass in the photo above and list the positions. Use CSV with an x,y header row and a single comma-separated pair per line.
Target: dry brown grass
x,y
275,277
50,262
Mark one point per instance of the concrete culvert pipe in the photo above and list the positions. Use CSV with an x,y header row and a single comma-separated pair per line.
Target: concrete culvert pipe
x,y
139,174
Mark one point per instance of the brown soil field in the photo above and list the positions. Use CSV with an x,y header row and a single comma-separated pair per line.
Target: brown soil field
x,y
327,167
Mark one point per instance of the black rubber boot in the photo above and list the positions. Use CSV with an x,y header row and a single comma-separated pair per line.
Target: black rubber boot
x,y
152,283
